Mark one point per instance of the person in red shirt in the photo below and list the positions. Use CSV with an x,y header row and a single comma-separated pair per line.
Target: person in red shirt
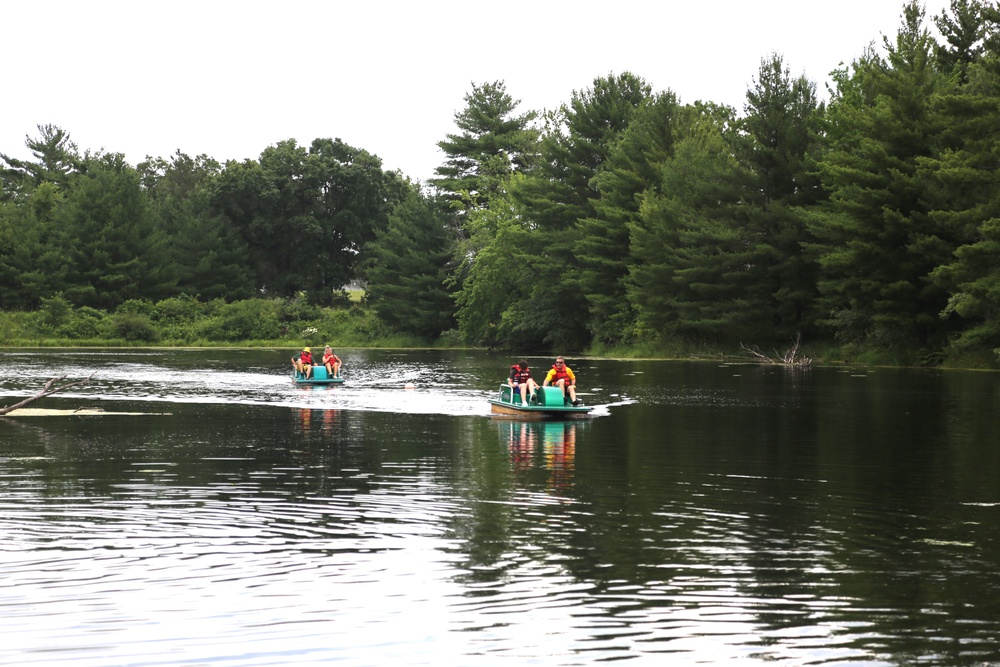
x,y
522,382
562,376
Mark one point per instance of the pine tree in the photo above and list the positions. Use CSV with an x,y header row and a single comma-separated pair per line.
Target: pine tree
x,y
494,142
964,31
559,193
963,181
208,257
603,247
110,243
777,139
56,158
876,241
686,278
408,273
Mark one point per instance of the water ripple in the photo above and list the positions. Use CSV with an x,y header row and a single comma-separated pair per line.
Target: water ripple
x,y
370,525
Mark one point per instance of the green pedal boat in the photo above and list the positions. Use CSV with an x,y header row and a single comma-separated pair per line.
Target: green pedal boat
x,y
549,403
319,376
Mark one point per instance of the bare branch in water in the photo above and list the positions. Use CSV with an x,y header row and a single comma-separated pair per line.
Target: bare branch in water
x,y
789,358
51,387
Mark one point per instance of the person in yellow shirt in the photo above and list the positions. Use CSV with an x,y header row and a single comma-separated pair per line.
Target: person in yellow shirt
x,y
562,376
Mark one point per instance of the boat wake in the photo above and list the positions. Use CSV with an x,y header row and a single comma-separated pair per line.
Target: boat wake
x,y
383,387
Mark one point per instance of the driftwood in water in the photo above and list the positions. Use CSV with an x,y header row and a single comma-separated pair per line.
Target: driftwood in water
x,y
50,388
789,358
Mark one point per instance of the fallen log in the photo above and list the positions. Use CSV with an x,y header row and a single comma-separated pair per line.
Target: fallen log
x,y
79,412
50,388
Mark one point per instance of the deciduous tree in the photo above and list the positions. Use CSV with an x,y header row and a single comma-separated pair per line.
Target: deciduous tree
x,y
307,214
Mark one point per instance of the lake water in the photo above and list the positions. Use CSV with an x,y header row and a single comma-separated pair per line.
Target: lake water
x,y
706,514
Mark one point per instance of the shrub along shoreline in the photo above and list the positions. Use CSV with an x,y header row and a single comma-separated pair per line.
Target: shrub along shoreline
x,y
186,322
290,323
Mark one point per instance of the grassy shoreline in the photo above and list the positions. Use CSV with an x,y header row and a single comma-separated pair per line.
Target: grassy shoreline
x,y
185,322
624,353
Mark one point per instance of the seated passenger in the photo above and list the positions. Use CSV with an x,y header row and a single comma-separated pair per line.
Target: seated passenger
x,y
562,376
522,382
303,363
332,363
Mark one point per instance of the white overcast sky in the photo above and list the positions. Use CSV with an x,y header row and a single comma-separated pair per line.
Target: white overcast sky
x,y
227,79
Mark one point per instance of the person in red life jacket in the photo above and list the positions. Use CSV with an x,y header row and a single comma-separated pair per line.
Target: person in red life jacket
x,y
522,382
303,363
562,376
332,363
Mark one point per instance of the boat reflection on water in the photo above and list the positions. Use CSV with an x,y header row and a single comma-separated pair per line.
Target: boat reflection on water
x,y
323,421
550,446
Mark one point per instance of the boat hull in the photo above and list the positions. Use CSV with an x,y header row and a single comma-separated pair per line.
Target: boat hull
x,y
318,376
501,409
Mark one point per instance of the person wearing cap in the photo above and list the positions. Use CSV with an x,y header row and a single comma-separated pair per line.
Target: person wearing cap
x,y
562,376
303,362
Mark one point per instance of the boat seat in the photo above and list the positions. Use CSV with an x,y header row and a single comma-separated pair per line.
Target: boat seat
x,y
550,396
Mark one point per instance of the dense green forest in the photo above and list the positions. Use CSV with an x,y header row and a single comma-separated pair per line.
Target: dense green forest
x,y
623,221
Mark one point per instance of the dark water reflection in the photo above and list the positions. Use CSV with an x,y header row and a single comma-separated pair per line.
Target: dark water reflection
x,y
708,514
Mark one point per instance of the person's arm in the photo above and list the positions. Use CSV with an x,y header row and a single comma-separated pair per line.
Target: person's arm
x,y
548,377
571,374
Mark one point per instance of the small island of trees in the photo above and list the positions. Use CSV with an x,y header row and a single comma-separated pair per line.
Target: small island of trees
x,y
623,222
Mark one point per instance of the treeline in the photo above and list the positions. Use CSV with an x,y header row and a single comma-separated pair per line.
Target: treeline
x,y
622,219
869,221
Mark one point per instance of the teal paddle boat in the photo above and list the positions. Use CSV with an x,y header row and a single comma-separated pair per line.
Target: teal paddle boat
x,y
319,376
549,403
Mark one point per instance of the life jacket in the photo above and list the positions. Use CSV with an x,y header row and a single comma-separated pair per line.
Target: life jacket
x,y
561,374
306,357
331,359
519,376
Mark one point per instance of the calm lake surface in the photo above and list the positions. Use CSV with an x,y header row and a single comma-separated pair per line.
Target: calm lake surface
x,y
706,514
